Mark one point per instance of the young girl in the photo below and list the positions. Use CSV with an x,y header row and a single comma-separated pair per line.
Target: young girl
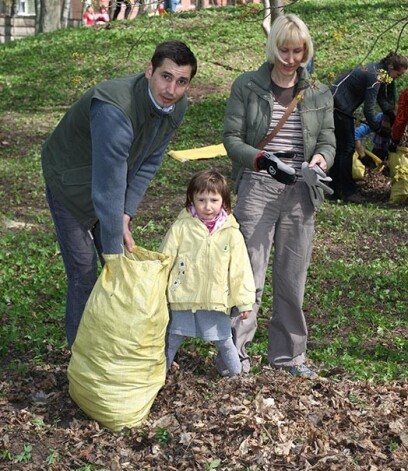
x,y
211,271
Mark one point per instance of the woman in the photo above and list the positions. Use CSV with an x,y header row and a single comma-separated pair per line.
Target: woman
x,y
370,84
270,212
89,16
102,17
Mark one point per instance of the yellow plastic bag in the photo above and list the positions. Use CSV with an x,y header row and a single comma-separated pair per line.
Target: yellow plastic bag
x,y
118,363
358,169
398,165
207,152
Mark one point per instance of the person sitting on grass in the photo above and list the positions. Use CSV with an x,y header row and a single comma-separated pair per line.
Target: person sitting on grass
x,y
102,17
89,16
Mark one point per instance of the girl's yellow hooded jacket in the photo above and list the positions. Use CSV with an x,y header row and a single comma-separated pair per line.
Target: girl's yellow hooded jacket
x,y
210,271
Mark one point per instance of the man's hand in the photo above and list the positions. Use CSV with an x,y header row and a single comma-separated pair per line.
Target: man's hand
x,y
127,233
276,168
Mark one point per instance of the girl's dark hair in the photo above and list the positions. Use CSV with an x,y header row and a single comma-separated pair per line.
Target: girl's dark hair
x,y
211,181
396,61
177,52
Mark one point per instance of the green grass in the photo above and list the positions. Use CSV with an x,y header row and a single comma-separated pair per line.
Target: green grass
x,y
358,279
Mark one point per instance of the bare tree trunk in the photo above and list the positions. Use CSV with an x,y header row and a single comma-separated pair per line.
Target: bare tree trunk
x,y
37,15
65,13
273,9
49,16
14,7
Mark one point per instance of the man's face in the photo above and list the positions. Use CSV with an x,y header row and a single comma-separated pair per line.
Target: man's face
x,y
169,82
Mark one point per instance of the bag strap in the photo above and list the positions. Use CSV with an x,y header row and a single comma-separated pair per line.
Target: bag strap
x,y
282,121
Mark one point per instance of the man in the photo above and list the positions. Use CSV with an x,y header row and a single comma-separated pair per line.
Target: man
x,y
100,159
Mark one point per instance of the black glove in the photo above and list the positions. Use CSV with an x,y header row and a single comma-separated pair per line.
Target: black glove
x,y
276,168
365,160
383,131
393,146
390,114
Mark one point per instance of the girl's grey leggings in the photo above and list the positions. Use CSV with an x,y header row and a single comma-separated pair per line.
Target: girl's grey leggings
x,y
230,364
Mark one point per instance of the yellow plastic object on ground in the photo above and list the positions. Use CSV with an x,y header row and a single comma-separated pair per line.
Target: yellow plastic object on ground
x,y
358,168
398,164
208,152
118,363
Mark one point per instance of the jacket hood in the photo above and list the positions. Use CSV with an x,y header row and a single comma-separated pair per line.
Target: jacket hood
x,y
230,222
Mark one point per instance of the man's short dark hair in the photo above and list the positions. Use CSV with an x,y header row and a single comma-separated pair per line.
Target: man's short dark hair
x,y
177,52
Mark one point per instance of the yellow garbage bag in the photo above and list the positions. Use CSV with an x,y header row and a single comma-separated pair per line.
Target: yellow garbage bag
x,y
358,168
398,165
118,362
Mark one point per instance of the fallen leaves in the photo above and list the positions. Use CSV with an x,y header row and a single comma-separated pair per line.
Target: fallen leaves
x,y
199,421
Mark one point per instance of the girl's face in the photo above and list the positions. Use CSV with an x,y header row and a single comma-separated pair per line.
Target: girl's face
x,y
292,55
207,204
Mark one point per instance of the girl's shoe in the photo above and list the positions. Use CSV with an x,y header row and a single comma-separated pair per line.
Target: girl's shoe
x,y
301,370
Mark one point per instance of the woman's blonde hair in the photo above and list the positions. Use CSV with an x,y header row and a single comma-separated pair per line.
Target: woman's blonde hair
x,y
288,30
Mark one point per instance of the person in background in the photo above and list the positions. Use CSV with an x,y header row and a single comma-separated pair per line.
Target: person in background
x,y
100,159
103,16
274,202
161,10
380,141
119,4
211,271
367,85
171,5
89,16
398,134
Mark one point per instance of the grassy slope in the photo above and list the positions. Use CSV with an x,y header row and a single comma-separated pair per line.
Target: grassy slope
x,y
358,275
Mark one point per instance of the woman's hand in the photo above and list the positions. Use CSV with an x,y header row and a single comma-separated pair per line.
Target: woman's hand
x,y
320,160
127,233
